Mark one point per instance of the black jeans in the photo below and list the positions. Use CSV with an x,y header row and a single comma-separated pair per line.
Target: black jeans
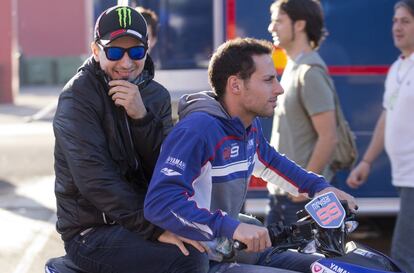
x,y
114,249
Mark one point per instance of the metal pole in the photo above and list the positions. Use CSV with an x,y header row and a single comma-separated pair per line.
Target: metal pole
x,y
218,23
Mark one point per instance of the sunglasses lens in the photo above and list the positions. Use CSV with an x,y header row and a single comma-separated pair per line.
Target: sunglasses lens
x,y
136,52
114,53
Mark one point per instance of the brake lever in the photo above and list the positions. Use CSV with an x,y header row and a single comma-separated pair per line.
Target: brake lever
x,y
237,245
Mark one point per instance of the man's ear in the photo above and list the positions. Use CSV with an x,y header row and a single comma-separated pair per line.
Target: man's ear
x,y
234,84
95,51
300,25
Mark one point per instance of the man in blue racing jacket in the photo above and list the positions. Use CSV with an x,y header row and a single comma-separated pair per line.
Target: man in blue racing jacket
x,y
201,177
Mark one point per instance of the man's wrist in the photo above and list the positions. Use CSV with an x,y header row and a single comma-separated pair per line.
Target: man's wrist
x,y
366,162
139,114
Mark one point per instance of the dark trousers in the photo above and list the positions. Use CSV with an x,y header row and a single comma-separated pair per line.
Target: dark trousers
x,y
285,262
282,209
402,241
114,249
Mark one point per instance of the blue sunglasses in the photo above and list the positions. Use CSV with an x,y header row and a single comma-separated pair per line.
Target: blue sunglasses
x,y
114,53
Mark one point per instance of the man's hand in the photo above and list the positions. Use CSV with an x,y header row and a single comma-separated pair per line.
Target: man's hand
x,y
127,95
255,237
298,199
341,196
358,175
170,238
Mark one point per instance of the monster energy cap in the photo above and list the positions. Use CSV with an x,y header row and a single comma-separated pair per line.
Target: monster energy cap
x,y
120,21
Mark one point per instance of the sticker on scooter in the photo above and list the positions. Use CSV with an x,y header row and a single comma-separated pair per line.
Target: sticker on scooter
x,y
320,268
326,210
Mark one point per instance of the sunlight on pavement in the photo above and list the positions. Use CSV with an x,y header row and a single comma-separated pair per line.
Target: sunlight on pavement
x,y
40,190
17,228
28,219
18,231
32,128
37,193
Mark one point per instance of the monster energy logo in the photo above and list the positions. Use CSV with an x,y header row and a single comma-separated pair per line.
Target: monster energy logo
x,y
124,15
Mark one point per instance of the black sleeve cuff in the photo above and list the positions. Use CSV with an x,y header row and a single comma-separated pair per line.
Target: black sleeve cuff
x,y
143,121
157,233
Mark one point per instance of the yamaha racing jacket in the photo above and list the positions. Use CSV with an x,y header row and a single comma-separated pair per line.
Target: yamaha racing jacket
x,y
201,177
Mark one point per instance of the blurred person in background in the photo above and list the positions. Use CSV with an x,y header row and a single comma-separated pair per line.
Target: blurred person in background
x,y
152,23
109,124
304,125
395,132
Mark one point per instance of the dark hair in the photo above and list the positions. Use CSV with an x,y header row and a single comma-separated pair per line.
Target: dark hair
x,y
408,4
234,57
151,18
308,10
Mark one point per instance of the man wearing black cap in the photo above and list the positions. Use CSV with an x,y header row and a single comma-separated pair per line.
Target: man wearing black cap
x,y
110,122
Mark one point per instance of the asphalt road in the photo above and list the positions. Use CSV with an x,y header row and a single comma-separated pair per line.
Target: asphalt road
x,y
27,203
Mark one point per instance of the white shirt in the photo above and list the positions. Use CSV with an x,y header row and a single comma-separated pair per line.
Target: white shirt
x,y
399,123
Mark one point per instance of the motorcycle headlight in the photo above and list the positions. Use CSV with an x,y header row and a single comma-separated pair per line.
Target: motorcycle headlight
x,y
350,226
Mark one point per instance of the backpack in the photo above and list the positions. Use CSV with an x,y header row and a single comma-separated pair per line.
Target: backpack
x,y
346,153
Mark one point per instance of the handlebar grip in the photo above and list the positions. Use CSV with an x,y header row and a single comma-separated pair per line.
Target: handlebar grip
x,y
239,245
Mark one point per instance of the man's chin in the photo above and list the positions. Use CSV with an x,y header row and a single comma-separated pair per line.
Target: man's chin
x,y
266,115
128,78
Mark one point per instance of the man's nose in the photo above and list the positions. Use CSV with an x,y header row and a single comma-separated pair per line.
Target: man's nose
x,y
126,60
271,27
396,26
278,89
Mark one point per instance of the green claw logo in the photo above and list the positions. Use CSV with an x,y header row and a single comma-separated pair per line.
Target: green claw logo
x,y
124,15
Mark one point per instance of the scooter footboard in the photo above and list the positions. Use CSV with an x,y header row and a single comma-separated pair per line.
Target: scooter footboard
x,y
359,259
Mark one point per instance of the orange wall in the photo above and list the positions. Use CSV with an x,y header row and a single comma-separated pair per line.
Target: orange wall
x,y
54,27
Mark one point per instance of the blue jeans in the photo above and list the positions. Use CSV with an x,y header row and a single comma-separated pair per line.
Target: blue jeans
x,y
282,209
288,261
114,249
402,250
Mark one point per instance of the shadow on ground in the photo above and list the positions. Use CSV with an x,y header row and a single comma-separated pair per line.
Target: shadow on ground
x,y
22,205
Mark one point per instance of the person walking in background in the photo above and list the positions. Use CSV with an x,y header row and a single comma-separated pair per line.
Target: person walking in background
x,y
152,25
109,124
395,132
201,177
304,125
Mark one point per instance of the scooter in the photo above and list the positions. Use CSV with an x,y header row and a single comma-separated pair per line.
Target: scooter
x,y
322,229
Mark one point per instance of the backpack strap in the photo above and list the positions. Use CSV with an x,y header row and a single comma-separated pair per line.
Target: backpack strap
x,y
303,68
346,152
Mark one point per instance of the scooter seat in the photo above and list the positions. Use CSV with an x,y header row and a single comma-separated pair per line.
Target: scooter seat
x,y
62,265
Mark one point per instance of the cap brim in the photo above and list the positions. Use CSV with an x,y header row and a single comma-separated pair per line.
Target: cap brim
x,y
129,32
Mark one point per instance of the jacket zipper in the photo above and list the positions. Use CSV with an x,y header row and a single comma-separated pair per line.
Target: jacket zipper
x,y
130,139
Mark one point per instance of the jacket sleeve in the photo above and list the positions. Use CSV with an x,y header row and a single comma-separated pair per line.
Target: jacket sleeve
x,y
277,169
79,133
154,127
179,194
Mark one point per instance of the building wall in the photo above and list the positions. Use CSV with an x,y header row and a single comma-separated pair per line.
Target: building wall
x,y
54,28
8,57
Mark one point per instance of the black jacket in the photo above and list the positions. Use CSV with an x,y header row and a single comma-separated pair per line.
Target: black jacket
x,y
102,170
